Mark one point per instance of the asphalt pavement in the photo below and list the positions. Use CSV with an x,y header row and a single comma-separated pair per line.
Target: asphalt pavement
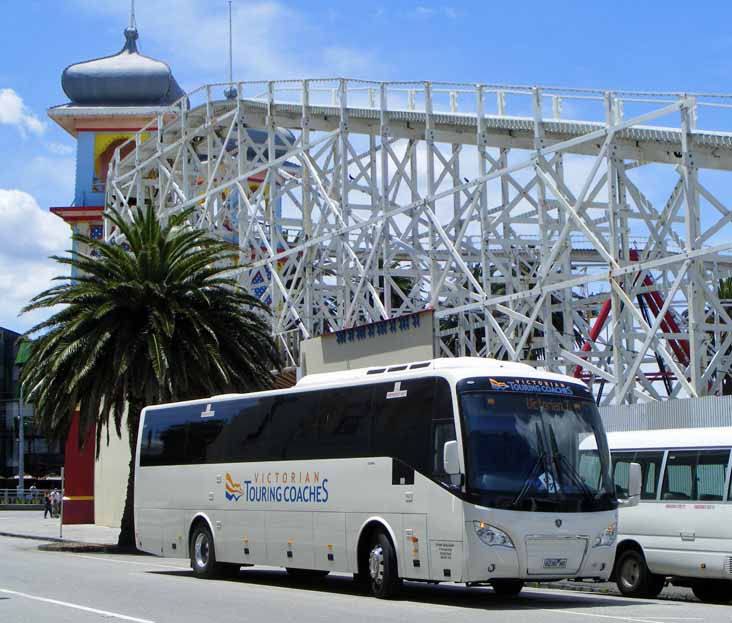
x,y
41,586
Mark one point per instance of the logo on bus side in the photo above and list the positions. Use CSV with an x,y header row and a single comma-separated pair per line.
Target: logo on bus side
x,y
290,487
233,490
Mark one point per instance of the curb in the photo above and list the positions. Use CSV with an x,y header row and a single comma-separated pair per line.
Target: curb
x,y
34,537
56,544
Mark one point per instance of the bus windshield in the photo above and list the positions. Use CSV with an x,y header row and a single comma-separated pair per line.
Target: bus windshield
x,y
523,452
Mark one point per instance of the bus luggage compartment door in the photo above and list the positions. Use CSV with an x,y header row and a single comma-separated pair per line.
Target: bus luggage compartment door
x,y
290,539
329,541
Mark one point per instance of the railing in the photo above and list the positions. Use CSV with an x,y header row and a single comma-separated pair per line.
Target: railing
x,y
29,496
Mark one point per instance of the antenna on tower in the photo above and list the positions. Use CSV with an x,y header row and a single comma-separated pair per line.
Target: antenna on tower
x,y
133,22
230,92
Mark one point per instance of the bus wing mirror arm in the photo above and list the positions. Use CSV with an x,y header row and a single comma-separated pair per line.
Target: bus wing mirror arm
x,y
450,458
634,486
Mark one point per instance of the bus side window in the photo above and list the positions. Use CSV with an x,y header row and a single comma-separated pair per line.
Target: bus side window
x,y
443,428
402,424
343,427
245,433
296,419
164,437
206,439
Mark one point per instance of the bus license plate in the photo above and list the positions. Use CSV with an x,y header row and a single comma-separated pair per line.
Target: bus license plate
x,y
555,563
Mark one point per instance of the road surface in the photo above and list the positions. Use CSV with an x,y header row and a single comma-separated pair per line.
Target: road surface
x,y
38,586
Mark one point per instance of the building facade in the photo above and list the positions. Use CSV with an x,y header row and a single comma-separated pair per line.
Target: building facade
x,y
110,100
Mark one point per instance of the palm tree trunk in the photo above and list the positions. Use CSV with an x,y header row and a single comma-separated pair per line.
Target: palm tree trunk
x,y
126,538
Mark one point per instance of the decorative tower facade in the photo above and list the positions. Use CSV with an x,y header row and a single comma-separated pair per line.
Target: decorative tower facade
x,y
110,100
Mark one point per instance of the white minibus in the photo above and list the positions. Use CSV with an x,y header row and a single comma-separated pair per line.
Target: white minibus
x,y
453,470
682,529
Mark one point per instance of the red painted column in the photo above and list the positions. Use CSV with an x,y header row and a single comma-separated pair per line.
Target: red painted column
x,y
79,476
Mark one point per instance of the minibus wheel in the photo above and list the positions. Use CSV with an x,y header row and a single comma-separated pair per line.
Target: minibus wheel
x,y
507,588
634,578
382,567
713,591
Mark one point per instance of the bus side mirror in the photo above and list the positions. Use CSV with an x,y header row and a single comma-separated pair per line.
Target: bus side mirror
x,y
450,458
634,486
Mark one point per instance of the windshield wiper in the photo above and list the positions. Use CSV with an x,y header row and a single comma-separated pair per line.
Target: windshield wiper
x,y
540,462
570,469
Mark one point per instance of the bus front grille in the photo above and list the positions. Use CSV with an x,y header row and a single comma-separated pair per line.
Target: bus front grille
x,y
728,566
555,555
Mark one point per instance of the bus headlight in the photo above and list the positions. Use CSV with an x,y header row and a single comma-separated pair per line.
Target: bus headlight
x,y
607,536
490,535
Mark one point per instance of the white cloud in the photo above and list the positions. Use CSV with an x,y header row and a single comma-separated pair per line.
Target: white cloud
x,y
28,231
60,149
28,235
271,39
57,173
14,112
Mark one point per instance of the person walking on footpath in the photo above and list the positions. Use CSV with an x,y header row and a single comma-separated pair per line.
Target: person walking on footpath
x,y
56,500
47,506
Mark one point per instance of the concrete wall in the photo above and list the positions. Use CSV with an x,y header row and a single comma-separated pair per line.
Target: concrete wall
x,y
400,340
110,478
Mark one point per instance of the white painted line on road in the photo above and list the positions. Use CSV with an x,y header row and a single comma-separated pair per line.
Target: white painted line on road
x,y
603,616
129,562
107,613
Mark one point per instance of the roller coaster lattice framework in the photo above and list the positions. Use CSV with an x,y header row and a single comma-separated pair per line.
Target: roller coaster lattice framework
x,y
583,231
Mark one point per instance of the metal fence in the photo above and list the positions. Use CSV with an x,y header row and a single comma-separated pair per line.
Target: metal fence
x,y
709,411
29,496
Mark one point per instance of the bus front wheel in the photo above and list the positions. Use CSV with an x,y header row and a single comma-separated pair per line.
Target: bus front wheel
x,y
634,578
382,567
507,588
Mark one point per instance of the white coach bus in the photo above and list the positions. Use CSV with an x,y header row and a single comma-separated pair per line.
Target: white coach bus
x,y
682,529
454,470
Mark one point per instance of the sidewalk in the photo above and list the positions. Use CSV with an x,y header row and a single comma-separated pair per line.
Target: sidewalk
x,y
32,525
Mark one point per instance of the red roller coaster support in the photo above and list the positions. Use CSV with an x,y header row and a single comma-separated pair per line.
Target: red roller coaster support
x,y
655,303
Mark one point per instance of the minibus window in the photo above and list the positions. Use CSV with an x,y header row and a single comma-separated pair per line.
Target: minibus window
x,y
621,470
695,475
711,472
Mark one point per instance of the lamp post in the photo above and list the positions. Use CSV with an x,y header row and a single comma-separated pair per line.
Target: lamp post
x,y
21,447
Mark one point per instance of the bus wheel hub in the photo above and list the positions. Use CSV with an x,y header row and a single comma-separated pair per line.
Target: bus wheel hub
x,y
376,564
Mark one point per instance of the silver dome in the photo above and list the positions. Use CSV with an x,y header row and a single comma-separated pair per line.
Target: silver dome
x,y
127,78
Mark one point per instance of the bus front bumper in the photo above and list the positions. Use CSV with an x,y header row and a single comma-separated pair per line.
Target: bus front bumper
x,y
540,549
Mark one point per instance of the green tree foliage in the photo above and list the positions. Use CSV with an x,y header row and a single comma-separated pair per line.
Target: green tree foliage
x,y
154,320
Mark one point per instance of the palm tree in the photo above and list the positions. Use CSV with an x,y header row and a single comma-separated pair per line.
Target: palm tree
x,y
153,320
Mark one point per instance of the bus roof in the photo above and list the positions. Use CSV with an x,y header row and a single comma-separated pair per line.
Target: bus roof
x,y
455,368
667,439
450,366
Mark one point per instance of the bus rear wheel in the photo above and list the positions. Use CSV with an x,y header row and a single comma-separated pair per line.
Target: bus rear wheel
x,y
382,568
507,588
634,578
713,591
203,556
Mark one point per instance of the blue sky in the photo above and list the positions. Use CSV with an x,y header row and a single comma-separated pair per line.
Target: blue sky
x,y
616,45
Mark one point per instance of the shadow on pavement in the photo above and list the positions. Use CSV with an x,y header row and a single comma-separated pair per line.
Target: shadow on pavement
x,y
444,594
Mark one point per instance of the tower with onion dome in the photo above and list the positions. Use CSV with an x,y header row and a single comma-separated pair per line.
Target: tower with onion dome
x,y
111,99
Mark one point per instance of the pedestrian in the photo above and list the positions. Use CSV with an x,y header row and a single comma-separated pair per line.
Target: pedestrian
x,y
56,498
47,505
